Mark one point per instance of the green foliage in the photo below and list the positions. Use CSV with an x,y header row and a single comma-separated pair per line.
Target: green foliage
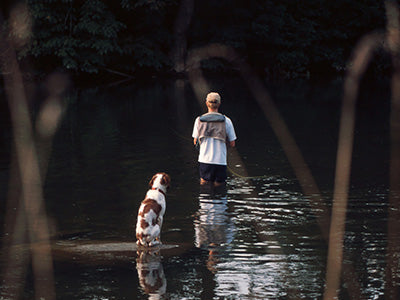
x,y
79,36
156,5
279,38
147,40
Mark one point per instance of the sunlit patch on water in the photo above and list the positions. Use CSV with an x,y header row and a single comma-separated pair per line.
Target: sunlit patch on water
x,y
263,241
366,239
260,240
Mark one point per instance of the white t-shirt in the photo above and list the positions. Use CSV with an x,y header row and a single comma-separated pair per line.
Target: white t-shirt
x,y
213,151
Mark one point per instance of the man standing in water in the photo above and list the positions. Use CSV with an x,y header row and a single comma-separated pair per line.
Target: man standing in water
x,y
212,131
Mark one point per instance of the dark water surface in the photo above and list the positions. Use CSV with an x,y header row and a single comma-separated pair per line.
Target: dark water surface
x,y
256,239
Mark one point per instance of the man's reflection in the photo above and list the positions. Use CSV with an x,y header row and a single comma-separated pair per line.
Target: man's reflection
x,y
214,229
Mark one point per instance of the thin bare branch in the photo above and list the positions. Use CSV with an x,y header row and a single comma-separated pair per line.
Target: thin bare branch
x,y
392,280
28,181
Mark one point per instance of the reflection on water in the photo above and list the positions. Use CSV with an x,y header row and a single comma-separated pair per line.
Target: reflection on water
x,y
213,225
214,229
256,246
151,274
263,242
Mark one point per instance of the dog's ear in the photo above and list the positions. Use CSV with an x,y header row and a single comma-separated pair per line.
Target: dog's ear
x,y
152,181
165,180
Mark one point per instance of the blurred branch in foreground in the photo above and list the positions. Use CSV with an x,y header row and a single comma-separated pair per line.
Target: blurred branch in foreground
x,y
392,278
357,67
26,182
362,57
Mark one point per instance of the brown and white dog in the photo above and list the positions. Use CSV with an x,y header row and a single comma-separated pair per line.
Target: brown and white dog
x,y
151,211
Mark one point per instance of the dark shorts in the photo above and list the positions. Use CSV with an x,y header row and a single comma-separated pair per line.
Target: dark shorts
x,y
213,173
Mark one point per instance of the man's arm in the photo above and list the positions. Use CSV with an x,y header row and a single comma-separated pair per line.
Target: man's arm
x,y
195,131
230,131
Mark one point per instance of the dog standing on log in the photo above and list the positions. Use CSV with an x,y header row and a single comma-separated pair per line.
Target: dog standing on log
x,y
151,211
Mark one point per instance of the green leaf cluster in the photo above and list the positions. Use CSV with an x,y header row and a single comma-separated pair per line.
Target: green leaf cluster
x,y
77,35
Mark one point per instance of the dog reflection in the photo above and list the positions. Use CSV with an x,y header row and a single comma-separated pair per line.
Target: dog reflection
x,y
151,274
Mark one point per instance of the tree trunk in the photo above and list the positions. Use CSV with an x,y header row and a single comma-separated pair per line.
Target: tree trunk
x,y
182,22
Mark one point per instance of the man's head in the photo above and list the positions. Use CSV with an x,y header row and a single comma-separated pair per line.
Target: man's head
x,y
213,100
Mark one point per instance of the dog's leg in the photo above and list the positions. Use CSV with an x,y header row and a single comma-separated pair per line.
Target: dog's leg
x,y
159,222
141,243
155,234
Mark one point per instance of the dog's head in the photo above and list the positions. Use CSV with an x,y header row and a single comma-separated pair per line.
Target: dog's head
x,y
158,179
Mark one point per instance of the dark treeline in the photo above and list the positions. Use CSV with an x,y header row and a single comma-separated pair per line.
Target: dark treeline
x,y
279,38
